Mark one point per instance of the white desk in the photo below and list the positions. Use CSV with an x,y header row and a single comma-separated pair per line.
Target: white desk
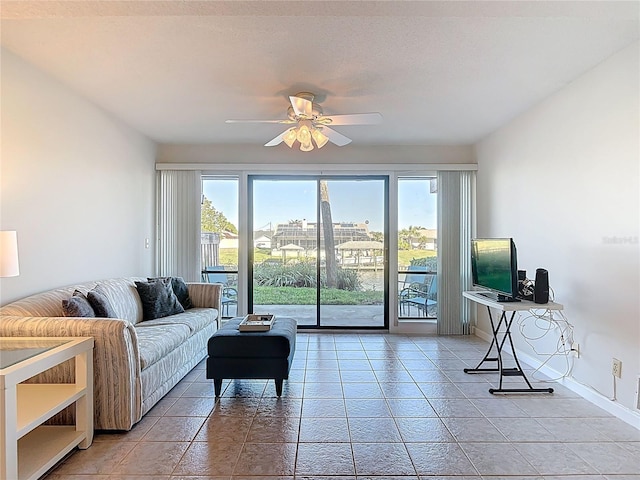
x,y
499,338
27,448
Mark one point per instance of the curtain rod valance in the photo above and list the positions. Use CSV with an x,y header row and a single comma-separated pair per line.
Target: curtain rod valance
x,y
399,169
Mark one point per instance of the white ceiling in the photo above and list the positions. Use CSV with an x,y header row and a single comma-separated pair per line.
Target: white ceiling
x,y
440,72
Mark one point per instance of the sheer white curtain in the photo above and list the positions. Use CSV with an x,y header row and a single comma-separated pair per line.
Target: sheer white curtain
x,y
179,202
456,191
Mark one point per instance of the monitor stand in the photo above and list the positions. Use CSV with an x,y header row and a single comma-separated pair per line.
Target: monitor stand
x,y
507,298
498,297
489,295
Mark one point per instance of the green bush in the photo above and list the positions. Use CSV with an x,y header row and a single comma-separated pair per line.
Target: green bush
x,y
301,274
430,262
347,280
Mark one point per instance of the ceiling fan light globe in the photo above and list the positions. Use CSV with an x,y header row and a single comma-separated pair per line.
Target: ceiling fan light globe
x,y
289,137
320,139
306,147
304,135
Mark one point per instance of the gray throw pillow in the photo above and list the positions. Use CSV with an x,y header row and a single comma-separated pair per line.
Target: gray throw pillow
x,y
77,306
158,299
101,304
180,289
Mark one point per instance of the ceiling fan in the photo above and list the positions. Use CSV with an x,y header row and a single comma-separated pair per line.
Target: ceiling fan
x,y
311,125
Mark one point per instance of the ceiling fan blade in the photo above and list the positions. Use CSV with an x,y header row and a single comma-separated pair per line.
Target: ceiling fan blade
x,y
301,106
287,121
352,119
276,141
335,137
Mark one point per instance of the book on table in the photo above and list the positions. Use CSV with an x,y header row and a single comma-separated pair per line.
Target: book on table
x,y
255,322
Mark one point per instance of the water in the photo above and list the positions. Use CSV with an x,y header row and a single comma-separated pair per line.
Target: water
x,y
372,280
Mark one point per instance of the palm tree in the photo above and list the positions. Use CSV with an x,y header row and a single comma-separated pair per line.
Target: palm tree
x,y
414,233
327,231
377,236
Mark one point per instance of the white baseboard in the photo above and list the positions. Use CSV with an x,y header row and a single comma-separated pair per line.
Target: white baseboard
x,y
414,328
487,337
623,413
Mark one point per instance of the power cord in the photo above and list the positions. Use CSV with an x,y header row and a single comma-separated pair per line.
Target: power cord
x,y
545,323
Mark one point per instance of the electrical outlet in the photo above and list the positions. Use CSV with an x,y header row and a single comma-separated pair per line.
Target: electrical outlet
x,y
616,368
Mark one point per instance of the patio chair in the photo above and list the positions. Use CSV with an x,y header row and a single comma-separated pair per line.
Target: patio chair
x,y
217,274
424,297
411,283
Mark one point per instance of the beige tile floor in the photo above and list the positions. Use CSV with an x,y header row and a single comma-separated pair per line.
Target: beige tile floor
x,y
365,406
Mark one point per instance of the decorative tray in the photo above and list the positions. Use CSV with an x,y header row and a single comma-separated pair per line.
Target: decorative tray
x,y
255,322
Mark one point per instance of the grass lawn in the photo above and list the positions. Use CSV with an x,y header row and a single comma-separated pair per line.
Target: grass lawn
x,y
405,256
307,296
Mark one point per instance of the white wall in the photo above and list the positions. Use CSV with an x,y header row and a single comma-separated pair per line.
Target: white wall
x,y
330,155
562,179
76,184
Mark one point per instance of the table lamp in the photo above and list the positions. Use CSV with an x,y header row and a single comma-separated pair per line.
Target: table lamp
x,y
9,254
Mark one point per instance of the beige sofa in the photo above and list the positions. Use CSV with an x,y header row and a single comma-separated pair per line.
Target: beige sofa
x,y
135,362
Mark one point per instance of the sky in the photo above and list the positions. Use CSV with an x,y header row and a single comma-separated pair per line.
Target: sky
x,y
278,201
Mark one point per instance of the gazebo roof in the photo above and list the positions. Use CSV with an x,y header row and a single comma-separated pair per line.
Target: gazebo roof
x,y
361,245
291,246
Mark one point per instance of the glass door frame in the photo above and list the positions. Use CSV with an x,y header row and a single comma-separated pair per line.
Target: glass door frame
x,y
204,177
317,177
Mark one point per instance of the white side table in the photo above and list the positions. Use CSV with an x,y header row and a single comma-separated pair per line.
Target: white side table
x,y
28,449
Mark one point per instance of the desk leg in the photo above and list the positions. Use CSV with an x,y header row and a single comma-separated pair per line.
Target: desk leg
x,y
517,370
488,357
504,372
8,435
84,406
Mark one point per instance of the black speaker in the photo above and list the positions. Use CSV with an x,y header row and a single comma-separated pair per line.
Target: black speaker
x,y
525,290
541,289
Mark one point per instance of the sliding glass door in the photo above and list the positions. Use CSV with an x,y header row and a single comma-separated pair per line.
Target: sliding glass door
x,y
352,225
219,238
282,257
318,252
417,248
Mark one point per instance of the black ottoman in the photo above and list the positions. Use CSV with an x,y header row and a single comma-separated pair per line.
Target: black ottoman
x,y
252,355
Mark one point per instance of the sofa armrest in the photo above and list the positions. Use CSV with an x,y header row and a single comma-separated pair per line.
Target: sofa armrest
x,y
116,363
206,295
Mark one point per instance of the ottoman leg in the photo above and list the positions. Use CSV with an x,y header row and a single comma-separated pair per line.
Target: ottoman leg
x,y
279,386
217,386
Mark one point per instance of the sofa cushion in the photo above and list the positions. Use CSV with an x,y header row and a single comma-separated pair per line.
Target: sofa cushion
x,y
123,297
77,306
45,304
182,292
180,289
158,299
194,318
101,304
155,342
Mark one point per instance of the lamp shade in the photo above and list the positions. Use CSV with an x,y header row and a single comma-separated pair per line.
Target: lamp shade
x,y
319,137
9,254
290,136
